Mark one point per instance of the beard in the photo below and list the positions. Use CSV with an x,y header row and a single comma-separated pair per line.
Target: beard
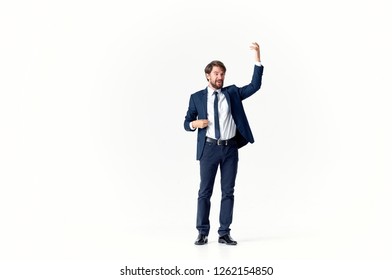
x,y
218,84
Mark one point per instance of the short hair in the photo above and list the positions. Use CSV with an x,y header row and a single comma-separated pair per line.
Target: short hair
x,y
213,63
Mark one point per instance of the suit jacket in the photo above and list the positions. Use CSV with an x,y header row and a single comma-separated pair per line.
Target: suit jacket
x,y
234,95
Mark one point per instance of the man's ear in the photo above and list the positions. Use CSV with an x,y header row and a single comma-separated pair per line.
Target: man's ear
x,y
208,77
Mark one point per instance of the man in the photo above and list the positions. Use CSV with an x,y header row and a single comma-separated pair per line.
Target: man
x,y
218,115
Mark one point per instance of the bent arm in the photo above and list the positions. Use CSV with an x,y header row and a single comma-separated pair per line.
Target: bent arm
x,y
191,122
190,116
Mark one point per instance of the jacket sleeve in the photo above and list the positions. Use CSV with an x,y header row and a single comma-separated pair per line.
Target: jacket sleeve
x,y
254,85
191,115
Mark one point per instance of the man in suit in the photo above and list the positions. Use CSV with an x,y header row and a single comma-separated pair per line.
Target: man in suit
x,y
218,115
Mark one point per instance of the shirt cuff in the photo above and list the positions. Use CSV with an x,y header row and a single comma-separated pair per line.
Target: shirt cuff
x,y
190,125
258,63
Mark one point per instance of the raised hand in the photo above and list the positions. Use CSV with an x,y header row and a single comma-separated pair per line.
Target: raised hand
x,y
255,46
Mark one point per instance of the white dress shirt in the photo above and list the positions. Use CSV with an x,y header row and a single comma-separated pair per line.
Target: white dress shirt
x,y
226,122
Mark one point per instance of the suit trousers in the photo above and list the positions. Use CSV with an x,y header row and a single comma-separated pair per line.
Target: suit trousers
x,y
214,156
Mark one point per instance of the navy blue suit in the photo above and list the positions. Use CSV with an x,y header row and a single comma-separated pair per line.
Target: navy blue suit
x,y
211,155
234,95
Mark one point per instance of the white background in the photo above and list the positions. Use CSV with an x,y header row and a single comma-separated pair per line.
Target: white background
x,y
96,166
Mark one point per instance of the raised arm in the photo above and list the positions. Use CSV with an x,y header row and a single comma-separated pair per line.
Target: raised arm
x,y
255,84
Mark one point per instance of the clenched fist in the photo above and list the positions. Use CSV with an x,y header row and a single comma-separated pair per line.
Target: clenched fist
x,y
200,124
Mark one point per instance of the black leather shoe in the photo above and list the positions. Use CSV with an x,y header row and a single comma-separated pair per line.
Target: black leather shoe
x,y
226,239
201,239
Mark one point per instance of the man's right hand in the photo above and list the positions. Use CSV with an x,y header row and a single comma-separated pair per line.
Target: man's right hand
x,y
199,124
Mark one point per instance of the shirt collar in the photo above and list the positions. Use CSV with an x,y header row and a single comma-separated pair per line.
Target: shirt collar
x,y
211,90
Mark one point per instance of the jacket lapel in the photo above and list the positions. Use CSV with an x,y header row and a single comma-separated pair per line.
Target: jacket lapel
x,y
204,106
226,94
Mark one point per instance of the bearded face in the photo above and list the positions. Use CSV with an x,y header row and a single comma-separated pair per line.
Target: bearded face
x,y
216,77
